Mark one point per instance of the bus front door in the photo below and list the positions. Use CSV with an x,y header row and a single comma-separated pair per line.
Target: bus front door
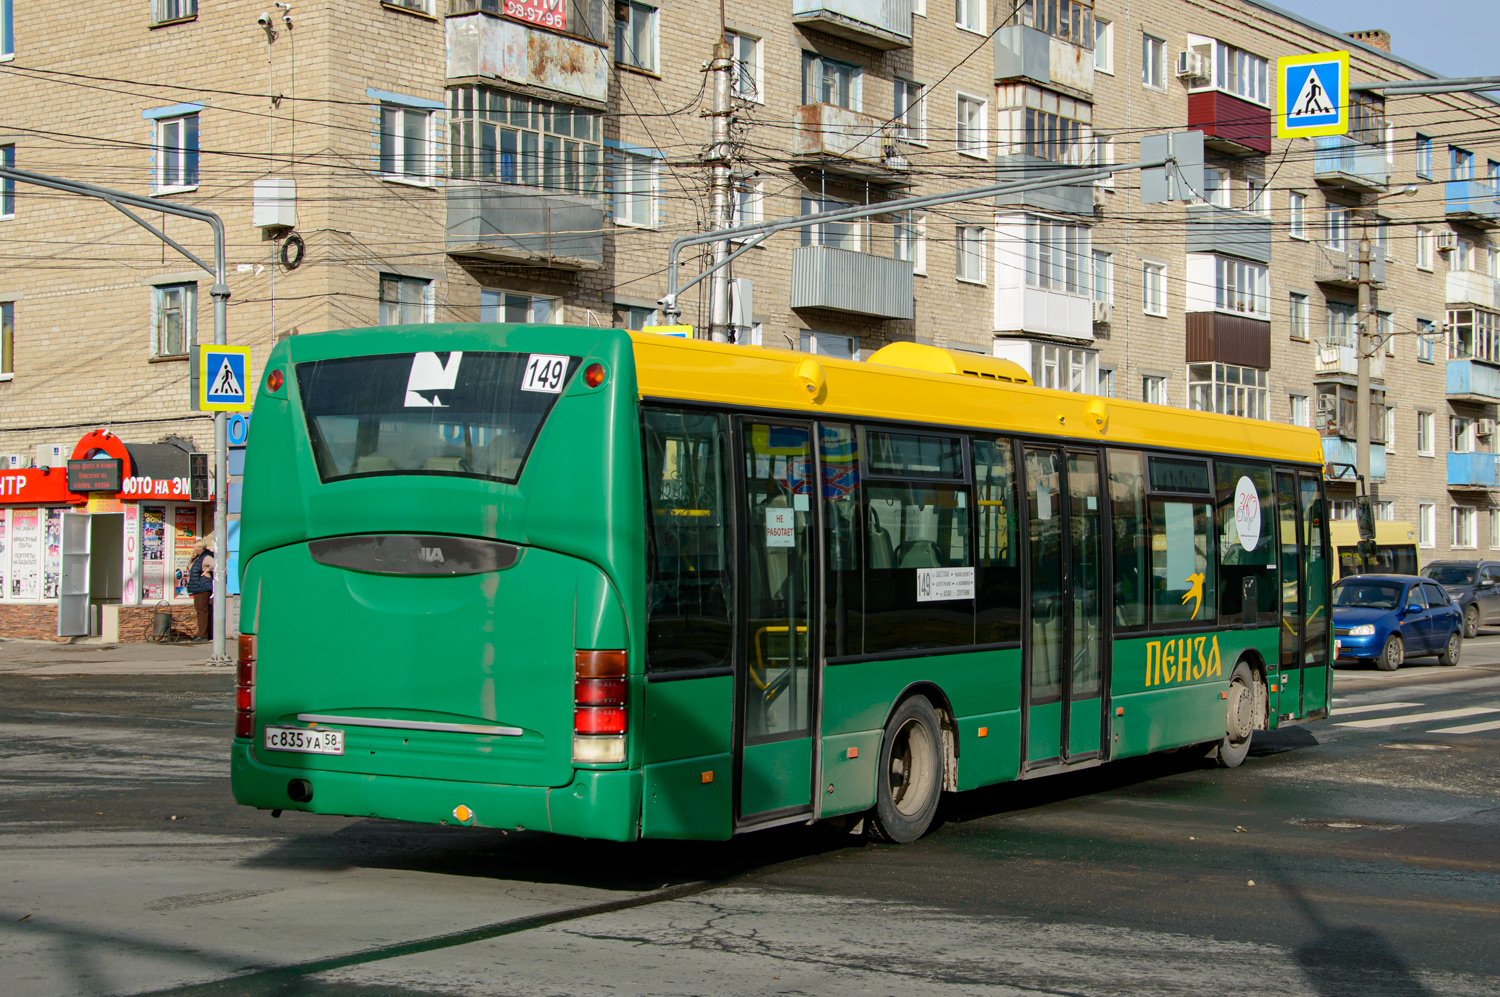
x,y
1065,639
776,682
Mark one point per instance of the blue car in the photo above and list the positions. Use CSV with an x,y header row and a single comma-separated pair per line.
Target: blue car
x,y
1389,618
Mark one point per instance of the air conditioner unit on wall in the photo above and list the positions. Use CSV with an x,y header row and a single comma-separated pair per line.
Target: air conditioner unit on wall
x,y
51,455
14,461
1191,65
1102,312
1447,241
1485,427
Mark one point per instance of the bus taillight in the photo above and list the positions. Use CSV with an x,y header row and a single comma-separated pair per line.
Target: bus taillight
x,y
244,688
599,706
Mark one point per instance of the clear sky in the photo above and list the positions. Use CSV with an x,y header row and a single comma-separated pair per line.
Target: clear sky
x,y
1449,37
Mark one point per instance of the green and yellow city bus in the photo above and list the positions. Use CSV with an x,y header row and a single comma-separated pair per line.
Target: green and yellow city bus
x,y
621,585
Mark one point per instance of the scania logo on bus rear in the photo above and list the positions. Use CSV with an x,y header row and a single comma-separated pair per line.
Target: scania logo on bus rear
x,y
432,555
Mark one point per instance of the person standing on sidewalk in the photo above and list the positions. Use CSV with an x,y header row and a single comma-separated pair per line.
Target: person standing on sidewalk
x,y
200,585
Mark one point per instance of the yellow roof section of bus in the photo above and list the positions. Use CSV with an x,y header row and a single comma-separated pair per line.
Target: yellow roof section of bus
x,y
1387,531
823,387
936,360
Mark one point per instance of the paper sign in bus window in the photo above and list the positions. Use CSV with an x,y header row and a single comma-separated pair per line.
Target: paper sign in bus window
x,y
428,376
545,373
781,527
942,584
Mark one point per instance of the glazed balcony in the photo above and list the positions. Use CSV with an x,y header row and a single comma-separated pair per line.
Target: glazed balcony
x,y
1230,124
881,24
1023,53
1466,287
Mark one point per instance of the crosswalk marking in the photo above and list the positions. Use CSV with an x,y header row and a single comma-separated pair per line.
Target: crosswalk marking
x,y
1469,728
1344,711
1417,718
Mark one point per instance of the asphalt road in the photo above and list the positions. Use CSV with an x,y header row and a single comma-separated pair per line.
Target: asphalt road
x,y
1360,855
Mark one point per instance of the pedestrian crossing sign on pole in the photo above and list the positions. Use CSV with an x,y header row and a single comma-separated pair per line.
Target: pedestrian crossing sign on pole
x,y
223,378
1312,95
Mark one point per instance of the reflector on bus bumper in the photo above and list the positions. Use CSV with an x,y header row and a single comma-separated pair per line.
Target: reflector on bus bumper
x,y
592,748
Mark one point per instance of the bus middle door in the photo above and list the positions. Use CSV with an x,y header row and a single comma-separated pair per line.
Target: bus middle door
x,y
776,676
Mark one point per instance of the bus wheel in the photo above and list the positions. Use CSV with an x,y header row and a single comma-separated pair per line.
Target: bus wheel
x,y
1240,718
910,773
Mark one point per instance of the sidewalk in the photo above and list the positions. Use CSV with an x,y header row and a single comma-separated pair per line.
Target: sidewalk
x,y
41,657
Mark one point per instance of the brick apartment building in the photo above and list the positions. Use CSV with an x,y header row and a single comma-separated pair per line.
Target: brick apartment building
x,y
531,160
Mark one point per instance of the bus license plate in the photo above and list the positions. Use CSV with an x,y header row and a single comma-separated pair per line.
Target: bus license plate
x,y
309,741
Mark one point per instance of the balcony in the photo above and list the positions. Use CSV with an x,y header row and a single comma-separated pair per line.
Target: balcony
x,y
495,48
1341,269
1219,337
1473,381
1230,124
1465,287
1028,54
1335,363
882,24
506,224
850,142
1337,450
1234,233
1073,199
1473,470
841,280
1473,202
1035,311
1339,161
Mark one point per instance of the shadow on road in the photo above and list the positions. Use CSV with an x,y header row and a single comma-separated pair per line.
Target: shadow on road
x,y
1350,960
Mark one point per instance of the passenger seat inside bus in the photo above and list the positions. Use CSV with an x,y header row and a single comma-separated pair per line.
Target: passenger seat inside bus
x,y
371,463
501,457
882,551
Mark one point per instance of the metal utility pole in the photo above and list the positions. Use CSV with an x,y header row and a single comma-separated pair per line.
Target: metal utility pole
x,y
1367,320
718,157
123,202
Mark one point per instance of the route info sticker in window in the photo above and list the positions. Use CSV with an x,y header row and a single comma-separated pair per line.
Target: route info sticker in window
x,y
942,584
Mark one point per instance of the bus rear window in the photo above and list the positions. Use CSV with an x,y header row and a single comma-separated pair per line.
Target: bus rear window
x,y
467,414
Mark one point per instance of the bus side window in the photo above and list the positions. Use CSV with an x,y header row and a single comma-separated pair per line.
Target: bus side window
x,y
688,594
1127,502
1183,585
844,613
998,589
1247,535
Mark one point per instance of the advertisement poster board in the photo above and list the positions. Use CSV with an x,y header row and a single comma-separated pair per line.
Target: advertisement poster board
x,y
153,552
4,555
130,593
52,560
25,554
184,532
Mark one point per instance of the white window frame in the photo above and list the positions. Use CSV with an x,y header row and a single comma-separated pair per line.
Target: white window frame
x,y
815,235
911,242
1426,336
969,15
1299,410
1423,149
965,133
1425,244
420,173
1390,429
1242,287
1336,227
7,340
634,9
1215,187
187,310
1058,256
1426,423
7,185
636,189
1426,524
812,64
910,115
1299,318
7,31
747,70
1154,389
968,254
1104,275
829,344
403,280
492,304
1296,215
1465,526
1462,437
1104,46
746,202
1153,56
1385,510
1151,269
1257,196
162,11
1494,528
165,128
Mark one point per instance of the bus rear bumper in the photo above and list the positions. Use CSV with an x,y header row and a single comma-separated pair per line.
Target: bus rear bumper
x,y
596,804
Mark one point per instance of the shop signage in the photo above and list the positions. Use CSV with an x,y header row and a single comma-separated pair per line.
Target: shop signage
x,y
135,489
97,475
34,486
547,13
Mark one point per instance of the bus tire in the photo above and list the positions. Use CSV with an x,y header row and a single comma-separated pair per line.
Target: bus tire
x,y
1240,718
910,777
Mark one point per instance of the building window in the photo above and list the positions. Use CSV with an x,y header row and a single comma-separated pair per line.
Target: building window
x,y
1106,383
1296,210
174,319
161,12
7,32
971,126
1154,390
839,235
1343,324
1461,435
1299,311
969,14
1465,519
747,73
1367,118
1257,197
1424,433
1300,413
970,253
8,186
1473,333
635,35
1426,524
1153,62
404,142
1104,46
1154,288
1460,163
828,81
1385,510
1240,73
506,138
1382,247
1104,276
1424,248
1227,389
1068,20
1057,256
1426,334
404,300
1424,157
1216,187
1341,509
1066,368
911,241
1053,137
830,344
632,317
7,339
1242,287
177,152
1494,528
1385,332
911,112
1336,227
635,190
1390,429
746,204
514,306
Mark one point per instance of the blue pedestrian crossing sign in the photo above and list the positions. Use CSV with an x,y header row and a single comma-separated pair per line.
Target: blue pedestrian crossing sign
x,y
1312,95
223,378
